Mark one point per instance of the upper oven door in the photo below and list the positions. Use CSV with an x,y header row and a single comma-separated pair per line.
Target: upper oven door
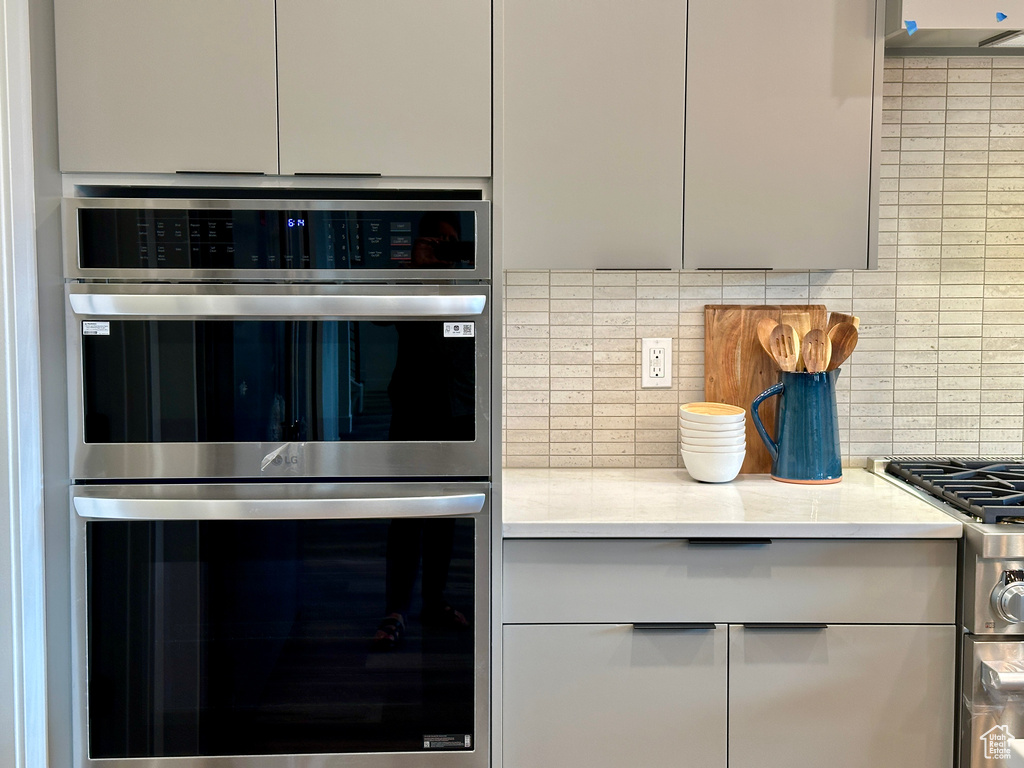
x,y
275,240
259,381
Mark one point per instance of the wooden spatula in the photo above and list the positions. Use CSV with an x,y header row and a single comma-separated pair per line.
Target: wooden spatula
x,y
785,346
764,333
844,338
801,322
835,318
816,350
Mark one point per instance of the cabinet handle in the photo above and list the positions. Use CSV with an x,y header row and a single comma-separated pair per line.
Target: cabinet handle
x,y
222,173
684,625
350,175
721,542
797,625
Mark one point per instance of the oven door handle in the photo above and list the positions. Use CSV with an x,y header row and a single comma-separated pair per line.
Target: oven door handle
x,y
280,305
1003,680
96,508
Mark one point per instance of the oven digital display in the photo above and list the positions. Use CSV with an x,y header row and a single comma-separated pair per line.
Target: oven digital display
x,y
232,239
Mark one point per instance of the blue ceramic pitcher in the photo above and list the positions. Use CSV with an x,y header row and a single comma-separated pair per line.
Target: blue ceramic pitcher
x,y
806,448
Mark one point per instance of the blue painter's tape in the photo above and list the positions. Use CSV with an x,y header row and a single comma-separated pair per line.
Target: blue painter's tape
x,y
1000,16
911,27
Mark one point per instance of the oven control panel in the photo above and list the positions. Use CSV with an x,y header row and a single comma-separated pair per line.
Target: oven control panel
x,y
1008,597
150,238
993,596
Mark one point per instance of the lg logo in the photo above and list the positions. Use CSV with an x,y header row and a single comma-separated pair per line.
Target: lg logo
x,y
283,463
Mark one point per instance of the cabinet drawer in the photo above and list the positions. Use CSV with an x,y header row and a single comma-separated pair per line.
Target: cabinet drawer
x,y
610,695
785,580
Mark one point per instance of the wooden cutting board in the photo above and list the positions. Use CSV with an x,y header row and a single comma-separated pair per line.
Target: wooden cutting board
x,y
737,369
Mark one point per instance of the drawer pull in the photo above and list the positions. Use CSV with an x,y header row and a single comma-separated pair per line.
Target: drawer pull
x,y
684,625
785,625
721,542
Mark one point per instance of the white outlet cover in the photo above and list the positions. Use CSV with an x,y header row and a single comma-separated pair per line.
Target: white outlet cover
x,y
648,379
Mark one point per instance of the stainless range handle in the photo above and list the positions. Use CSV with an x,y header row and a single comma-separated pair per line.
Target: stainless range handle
x,y
263,305
93,508
1004,680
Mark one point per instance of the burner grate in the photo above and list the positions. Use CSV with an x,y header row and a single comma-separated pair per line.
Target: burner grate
x,y
988,488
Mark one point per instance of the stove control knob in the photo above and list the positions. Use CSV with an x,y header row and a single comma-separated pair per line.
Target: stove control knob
x,y
1008,597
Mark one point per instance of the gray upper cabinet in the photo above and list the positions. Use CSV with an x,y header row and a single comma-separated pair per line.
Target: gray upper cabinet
x,y
592,155
387,87
779,134
149,86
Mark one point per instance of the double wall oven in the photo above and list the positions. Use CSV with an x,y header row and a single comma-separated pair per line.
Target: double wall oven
x,y
280,433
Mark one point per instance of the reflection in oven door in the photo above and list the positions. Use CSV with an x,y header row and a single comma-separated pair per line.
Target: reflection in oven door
x,y
240,621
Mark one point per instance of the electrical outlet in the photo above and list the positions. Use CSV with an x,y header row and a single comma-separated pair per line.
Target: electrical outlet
x,y
656,363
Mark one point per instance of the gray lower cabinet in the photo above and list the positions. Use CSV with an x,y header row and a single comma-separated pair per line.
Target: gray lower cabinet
x,y
154,87
845,696
614,695
592,134
814,653
391,87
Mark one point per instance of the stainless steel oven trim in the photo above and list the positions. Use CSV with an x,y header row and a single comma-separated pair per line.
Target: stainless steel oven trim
x,y
92,508
72,270
117,461
390,306
274,493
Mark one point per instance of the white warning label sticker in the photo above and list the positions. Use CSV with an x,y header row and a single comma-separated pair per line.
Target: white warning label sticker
x,y
459,329
95,328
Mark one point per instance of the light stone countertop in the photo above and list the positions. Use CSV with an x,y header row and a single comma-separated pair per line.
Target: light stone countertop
x,y
655,503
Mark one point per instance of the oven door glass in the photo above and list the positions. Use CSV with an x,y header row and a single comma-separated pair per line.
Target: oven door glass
x,y
258,637
258,381
199,381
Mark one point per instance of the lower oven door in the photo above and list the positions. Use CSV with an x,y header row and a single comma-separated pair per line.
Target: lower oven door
x,y
992,707
278,381
234,625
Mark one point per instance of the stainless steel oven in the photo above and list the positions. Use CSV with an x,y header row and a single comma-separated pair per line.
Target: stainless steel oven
x,y
250,381
228,625
280,435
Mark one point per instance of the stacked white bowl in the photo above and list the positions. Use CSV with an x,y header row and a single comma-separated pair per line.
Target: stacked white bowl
x,y
714,440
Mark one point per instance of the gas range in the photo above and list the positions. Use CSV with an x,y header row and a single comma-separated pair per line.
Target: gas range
x,y
988,490
987,496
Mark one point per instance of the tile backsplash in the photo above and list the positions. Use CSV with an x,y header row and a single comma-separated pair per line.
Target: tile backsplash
x,y
940,364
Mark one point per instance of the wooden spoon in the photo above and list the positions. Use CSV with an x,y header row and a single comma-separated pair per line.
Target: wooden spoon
x,y
844,338
816,350
785,346
835,318
764,333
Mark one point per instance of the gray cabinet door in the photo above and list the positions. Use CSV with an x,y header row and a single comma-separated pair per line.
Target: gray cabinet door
x,y
847,696
612,695
779,133
388,87
592,157
149,86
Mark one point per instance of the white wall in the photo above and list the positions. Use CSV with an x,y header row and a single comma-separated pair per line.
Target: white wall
x,y
22,625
